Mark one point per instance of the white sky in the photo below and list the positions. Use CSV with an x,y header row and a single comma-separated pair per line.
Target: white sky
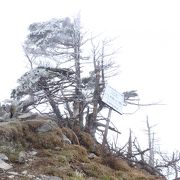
x,y
149,41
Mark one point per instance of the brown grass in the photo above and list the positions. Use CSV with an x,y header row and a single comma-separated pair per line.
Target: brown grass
x,y
25,133
87,141
75,153
70,134
58,159
116,163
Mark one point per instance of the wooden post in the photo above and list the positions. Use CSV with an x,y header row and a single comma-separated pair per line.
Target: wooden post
x,y
107,127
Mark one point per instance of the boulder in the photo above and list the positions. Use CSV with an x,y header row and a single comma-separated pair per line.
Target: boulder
x,y
47,127
91,156
22,157
27,116
4,165
43,177
66,140
3,157
24,172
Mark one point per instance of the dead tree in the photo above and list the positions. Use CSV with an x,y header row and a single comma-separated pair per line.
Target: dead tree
x,y
150,144
45,85
171,163
102,68
130,145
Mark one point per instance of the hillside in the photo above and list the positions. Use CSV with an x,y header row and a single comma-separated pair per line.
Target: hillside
x,y
38,149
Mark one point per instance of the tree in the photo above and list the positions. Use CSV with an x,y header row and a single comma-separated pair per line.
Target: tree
x,y
46,85
68,74
56,52
59,41
151,140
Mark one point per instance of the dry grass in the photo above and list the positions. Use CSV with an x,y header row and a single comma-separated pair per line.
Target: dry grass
x,y
116,163
75,153
70,134
25,134
58,159
87,141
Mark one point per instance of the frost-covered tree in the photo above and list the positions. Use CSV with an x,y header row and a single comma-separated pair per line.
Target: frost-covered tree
x,y
51,48
46,85
58,42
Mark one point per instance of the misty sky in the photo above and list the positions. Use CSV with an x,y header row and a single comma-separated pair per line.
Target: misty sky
x,y
149,51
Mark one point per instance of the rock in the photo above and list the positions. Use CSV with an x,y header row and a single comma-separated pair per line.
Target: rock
x,y
3,157
66,140
31,176
4,165
5,117
43,177
46,127
13,173
24,172
22,157
11,177
27,116
91,156
90,178
1,119
32,153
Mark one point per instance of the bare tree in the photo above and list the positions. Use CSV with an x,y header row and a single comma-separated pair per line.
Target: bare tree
x,y
150,143
59,41
45,85
170,164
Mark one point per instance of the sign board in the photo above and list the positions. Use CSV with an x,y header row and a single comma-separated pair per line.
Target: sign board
x,y
114,99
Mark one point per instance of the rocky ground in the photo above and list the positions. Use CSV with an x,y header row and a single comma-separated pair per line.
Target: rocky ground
x,y
38,149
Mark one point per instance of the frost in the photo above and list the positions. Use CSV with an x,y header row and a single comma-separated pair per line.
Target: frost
x,y
47,36
40,80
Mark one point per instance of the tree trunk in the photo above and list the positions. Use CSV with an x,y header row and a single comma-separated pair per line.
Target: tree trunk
x,y
55,108
129,153
106,128
51,101
78,104
151,144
